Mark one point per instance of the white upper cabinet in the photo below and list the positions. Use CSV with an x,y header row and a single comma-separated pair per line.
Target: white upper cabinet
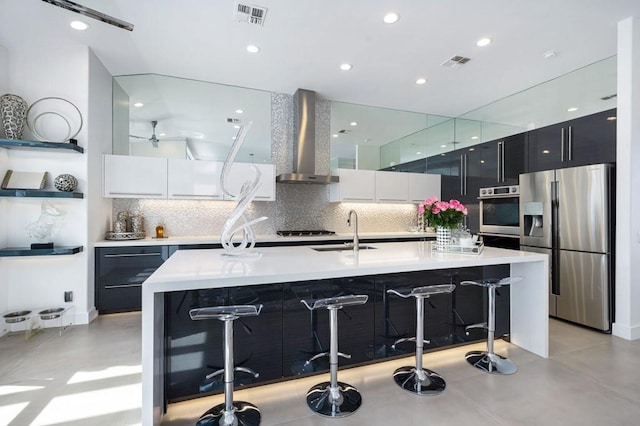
x,y
189,179
242,172
422,186
392,187
354,185
134,177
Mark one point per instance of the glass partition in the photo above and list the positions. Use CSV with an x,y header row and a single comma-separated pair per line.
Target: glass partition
x,y
156,115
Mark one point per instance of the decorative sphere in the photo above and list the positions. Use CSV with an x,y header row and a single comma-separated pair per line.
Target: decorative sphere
x,y
65,183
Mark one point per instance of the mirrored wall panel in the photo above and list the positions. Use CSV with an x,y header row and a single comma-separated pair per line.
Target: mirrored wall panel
x,y
161,116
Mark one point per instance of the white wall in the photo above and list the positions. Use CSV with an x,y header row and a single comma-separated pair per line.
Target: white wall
x,y
4,88
99,124
627,321
71,73
120,120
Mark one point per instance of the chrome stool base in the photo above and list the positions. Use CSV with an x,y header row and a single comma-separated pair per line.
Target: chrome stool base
x,y
491,363
320,400
407,378
243,414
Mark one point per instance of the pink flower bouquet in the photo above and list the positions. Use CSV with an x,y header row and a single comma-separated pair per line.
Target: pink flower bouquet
x,y
442,213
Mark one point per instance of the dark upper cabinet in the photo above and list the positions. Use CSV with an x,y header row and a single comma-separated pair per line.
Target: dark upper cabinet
x,y
585,140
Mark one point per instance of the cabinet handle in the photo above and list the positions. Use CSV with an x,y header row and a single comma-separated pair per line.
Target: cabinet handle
x,y
570,144
132,254
357,199
122,286
466,172
135,193
503,161
197,195
461,174
562,144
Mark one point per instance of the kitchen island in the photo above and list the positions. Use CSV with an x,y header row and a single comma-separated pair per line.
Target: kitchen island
x,y
211,269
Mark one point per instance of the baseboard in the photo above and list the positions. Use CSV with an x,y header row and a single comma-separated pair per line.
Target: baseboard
x,y
625,331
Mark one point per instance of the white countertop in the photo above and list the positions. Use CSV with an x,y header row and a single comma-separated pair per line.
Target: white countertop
x,y
215,239
209,268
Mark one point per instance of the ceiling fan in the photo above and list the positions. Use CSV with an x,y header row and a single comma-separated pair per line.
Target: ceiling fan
x,y
154,139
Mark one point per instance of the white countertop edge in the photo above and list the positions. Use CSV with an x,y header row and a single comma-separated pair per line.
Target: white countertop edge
x,y
215,239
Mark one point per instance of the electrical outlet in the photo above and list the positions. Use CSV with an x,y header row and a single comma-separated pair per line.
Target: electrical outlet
x,y
68,296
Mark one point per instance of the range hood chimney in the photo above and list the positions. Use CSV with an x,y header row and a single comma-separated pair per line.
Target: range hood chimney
x,y
304,145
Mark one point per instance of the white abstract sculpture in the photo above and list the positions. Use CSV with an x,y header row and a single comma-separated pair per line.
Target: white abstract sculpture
x,y
42,229
238,222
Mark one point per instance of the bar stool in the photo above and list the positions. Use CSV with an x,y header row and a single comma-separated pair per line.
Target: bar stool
x,y
416,379
230,413
488,360
334,398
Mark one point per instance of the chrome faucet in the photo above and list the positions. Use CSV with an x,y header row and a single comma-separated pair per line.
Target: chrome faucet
x,y
356,241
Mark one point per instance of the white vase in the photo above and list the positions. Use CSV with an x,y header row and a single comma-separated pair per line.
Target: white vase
x,y
443,238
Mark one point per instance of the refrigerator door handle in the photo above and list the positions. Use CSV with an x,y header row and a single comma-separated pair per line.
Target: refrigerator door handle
x,y
555,241
462,177
498,168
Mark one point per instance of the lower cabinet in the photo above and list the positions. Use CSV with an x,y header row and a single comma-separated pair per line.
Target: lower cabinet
x,y
280,342
120,272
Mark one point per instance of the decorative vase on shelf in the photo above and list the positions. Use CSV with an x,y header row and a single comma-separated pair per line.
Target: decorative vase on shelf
x,y
443,238
13,112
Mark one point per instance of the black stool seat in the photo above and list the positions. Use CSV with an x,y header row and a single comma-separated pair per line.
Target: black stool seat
x,y
230,413
488,361
334,398
417,379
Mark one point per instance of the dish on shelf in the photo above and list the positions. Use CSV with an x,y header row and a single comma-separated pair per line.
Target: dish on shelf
x,y
54,119
24,180
53,313
17,316
125,235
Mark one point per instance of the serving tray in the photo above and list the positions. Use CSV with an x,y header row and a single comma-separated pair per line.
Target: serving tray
x,y
474,249
125,235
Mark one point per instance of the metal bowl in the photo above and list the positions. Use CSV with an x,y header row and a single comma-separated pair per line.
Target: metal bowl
x,y
17,316
49,314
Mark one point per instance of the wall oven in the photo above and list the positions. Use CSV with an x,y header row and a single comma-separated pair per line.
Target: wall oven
x,y
500,210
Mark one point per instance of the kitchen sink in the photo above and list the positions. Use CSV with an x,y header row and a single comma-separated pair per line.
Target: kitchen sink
x,y
343,247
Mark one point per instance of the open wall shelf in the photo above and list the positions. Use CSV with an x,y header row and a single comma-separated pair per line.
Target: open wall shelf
x,y
39,193
39,145
26,251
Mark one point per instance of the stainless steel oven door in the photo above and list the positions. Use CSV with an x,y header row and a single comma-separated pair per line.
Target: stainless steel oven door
x,y
500,215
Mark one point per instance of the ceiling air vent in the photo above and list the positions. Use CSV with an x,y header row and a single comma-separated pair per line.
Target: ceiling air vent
x,y
250,13
233,120
455,62
606,98
344,131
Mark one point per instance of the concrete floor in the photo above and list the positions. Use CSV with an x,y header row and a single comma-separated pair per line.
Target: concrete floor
x,y
91,376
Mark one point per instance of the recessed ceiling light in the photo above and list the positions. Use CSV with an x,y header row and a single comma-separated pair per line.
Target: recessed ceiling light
x,y
546,151
391,18
79,25
421,80
235,126
354,123
572,109
346,67
138,105
162,134
472,149
335,135
474,137
419,152
239,111
612,118
481,161
233,138
252,48
443,146
550,54
485,41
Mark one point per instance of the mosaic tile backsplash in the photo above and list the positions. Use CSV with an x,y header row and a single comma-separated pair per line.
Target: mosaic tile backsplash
x,y
296,206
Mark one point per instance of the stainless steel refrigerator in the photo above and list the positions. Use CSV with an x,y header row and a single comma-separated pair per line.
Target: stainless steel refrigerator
x,y
568,214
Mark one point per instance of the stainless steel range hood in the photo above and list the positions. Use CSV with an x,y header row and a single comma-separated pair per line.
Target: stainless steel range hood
x,y
304,146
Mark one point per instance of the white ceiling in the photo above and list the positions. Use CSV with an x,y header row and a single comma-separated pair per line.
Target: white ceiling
x,y
304,41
